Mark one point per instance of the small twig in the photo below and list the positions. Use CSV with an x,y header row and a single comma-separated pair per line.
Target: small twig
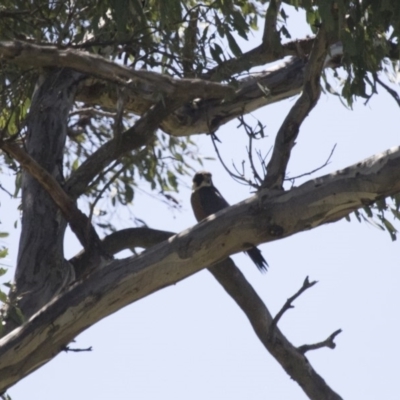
x,y
328,342
67,349
103,189
252,134
288,304
262,159
5,190
314,170
236,177
392,92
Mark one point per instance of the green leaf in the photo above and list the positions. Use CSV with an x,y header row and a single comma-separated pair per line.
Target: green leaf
x,y
17,315
233,45
390,228
75,164
3,252
128,193
396,213
3,297
172,180
216,52
18,183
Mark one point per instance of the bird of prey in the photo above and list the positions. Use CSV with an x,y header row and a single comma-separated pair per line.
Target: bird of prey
x,y
207,200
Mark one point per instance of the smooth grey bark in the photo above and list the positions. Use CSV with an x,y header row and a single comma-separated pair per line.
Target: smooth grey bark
x,y
41,268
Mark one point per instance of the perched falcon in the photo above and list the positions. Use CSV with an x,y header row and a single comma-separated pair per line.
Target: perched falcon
x,y
207,200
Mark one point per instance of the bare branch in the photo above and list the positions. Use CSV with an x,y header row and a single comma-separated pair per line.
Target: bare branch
x,y
328,342
288,304
287,134
68,349
237,177
392,92
314,170
6,191
288,356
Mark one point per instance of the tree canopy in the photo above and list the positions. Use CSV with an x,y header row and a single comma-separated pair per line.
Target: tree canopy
x,y
102,100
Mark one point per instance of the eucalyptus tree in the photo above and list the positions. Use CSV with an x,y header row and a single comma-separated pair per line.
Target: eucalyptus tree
x,y
97,95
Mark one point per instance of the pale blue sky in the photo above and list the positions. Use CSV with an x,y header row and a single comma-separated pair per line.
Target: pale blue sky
x,y
190,341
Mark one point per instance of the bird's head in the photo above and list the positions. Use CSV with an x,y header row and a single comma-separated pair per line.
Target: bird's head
x,y
202,179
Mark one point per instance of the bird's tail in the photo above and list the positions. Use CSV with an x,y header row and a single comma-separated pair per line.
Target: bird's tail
x,y
255,254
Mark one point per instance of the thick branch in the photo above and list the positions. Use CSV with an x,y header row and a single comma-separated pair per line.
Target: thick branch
x,y
144,88
125,239
281,82
256,57
261,218
149,85
287,134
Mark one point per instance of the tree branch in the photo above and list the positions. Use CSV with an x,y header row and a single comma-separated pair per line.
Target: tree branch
x,y
259,219
328,342
149,85
287,134
288,356
282,82
190,43
256,57
125,239
271,38
288,304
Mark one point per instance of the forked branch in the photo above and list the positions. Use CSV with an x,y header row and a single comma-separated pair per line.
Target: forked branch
x,y
288,304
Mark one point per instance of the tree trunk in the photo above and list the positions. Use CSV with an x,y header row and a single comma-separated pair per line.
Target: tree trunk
x,y
42,270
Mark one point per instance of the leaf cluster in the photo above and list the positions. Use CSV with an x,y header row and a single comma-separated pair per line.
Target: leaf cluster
x,y
369,32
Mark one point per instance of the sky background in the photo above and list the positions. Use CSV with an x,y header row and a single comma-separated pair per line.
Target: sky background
x,y
191,341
